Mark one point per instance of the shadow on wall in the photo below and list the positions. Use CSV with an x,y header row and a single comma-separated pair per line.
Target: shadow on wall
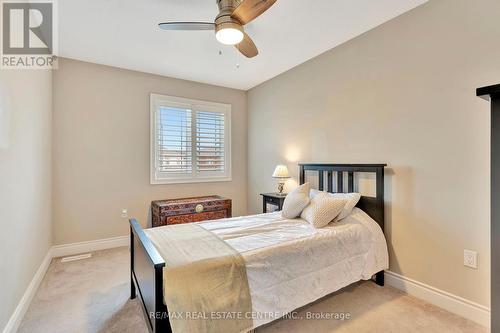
x,y
404,188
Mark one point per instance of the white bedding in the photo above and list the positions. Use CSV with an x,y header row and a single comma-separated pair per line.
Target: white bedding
x,y
290,263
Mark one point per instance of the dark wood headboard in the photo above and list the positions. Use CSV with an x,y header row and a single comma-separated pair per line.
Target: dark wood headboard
x,y
373,206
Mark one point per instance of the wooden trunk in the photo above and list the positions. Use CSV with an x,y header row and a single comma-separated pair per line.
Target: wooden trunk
x,y
187,210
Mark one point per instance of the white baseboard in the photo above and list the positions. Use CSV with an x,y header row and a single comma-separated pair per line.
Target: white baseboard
x,y
452,303
91,246
23,305
55,252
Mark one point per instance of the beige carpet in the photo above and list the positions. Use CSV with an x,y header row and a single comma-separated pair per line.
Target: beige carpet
x,y
91,295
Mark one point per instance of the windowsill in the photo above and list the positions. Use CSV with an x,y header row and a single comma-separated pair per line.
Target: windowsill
x,y
189,181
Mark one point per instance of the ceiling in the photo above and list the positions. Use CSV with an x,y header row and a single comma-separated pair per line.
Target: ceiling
x,y
124,33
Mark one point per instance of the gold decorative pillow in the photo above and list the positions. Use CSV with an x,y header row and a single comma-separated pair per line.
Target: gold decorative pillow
x,y
351,202
322,209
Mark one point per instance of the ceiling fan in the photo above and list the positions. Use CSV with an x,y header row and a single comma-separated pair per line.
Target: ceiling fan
x,y
228,25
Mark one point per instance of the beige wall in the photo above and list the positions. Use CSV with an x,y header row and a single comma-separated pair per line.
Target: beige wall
x,y
25,181
101,148
403,94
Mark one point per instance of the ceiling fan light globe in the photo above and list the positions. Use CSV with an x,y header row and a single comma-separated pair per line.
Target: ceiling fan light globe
x,y
229,36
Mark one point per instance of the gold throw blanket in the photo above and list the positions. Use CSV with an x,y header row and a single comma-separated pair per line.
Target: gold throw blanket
x,y
205,285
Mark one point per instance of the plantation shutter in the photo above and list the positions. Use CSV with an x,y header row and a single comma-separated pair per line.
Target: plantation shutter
x,y
190,140
210,142
174,141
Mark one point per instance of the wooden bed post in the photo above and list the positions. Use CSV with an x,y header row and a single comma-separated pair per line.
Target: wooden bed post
x,y
162,322
133,293
302,174
379,277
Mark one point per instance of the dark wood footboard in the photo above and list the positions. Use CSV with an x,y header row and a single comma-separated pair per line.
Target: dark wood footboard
x,y
146,277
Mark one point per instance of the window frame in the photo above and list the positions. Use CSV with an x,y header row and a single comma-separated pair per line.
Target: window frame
x,y
157,178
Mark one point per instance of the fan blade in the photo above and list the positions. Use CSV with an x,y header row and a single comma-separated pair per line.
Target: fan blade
x,y
187,26
250,9
247,47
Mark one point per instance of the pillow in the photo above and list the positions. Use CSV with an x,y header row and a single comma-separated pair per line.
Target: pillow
x,y
351,202
296,201
314,192
323,209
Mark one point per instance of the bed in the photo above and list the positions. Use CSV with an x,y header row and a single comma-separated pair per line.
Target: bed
x,y
282,276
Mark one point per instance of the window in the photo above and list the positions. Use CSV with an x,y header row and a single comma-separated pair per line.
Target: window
x,y
190,140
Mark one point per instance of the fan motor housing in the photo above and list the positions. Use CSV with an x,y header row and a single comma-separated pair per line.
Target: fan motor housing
x,y
227,21
228,3
226,7
224,19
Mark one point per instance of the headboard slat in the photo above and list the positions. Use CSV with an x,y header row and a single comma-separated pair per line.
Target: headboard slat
x,y
330,181
350,182
340,182
372,206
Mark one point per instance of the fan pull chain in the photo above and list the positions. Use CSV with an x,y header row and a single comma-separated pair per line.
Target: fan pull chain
x,y
237,60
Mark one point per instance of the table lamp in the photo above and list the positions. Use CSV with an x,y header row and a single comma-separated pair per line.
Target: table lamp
x,y
281,173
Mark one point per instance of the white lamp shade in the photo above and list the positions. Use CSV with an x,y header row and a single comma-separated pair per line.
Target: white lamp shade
x,y
281,171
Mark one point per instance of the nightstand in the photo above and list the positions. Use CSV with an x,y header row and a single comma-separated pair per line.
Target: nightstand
x,y
272,199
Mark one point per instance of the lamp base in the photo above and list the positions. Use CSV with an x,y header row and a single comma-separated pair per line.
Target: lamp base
x,y
281,186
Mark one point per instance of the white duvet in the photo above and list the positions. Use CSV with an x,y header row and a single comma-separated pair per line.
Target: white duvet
x,y
290,263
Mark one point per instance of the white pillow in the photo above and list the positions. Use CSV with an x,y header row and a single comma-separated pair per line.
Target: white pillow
x,y
314,192
352,200
296,201
322,209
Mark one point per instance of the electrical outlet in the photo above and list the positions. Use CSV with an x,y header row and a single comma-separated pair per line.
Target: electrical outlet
x,y
470,258
124,213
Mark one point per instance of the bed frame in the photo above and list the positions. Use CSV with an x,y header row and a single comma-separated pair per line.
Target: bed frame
x,y
146,263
